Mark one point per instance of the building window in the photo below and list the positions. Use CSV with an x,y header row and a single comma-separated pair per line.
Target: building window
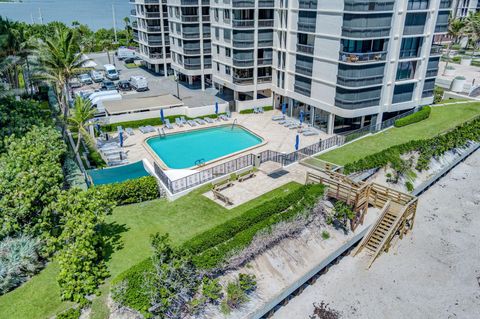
x,y
227,70
218,67
228,52
226,15
218,49
217,33
227,34
215,14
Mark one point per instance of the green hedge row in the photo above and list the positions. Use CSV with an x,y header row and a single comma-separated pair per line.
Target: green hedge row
x,y
238,232
215,256
435,146
419,116
132,191
153,121
225,231
250,111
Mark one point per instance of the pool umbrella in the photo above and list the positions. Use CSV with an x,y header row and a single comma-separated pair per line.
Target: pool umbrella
x,y
301,117
284,108
216,107
297,142
121,138
162,116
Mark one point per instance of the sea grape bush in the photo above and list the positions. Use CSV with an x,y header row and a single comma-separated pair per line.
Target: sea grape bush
x,y
18,261
132,191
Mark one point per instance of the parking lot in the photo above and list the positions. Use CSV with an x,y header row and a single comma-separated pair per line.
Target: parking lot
x,y
158,85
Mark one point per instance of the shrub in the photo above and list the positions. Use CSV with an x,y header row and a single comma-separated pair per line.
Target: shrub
x,y
456,47
72,313
456,59
438,94
325,235
409,186
247,282
211,289
18,261
416,117
132,191
235,297
250,111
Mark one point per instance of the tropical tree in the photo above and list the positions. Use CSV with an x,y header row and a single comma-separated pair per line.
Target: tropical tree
x,y
472,29
61,58
128,29
80,120
455,30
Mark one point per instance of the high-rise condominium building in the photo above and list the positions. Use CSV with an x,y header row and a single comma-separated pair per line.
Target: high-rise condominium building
x,y
343,64
463,8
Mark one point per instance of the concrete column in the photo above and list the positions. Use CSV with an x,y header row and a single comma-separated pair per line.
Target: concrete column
x,y
157,68
290,107
331,123
362,121
312,114
165,70
190,79
379,121
202,77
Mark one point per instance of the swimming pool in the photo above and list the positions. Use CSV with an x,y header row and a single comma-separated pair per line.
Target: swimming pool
x,y
188,149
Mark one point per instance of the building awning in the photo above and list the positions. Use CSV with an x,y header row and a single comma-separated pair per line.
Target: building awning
x,y
143,104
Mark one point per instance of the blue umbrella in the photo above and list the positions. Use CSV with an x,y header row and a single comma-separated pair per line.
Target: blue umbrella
x,y
121,138
162,116
301,117
284,108
297,142
216,107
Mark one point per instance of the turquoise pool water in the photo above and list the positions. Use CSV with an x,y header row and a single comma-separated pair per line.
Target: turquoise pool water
x,y
184,150
117,174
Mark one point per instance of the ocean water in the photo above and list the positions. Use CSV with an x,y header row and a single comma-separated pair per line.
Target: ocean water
x,y
95,13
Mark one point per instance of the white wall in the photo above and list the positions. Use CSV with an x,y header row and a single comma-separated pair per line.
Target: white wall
x,y
248,105
180,111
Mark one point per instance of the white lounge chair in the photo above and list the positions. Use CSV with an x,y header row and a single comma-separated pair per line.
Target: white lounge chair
x,y
208,120
192,123
200,121
278,117
150,129
129,131
179,122
260,110
184,121
168,125
255,110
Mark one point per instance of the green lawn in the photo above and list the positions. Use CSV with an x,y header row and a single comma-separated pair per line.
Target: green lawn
x,y
130,228
441,119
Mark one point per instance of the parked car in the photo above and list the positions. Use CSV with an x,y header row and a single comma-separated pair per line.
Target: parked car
x,y
124,85
129,60
124,53
111,72
74,83
96,76
85,79
108,85
139,83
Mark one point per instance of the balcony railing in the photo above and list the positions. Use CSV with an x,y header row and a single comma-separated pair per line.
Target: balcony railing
x,y
356,104
243,3
366,32
155,55
133,12
191,35
192,65
266,3
264,78
242,80
302,88
265,43
431,73
243,43
368,5
445,4
441,28
189,2
265,23
191,50
264,61
410,53
135,24
305,48
155,28
307,26
243,23
155,41
427,93
304,69
365,80
402,97
417,5
413,29
307,4
155,15
243,62
352,57
189,18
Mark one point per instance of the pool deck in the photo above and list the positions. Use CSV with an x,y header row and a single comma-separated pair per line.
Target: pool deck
x,y
277,137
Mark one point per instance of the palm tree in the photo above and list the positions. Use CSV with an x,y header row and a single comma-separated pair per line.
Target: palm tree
x,y
60,58
455,30
79,121
472,29
128,29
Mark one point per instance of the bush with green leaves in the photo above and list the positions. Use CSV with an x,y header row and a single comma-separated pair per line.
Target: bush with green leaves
x,y
18,117
31,176
19,260
427,148
235,296
132,191
251,111
72,313
416,117
247,282
438,94
82,242
211,289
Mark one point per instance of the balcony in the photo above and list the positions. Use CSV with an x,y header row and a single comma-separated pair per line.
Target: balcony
x,y
243,3
191,51
133,12
205,2
154,28
305,48
192,65
441,28
151,15
243,23
367,6
191,34
427,93
264,79
243,43
154,41
262,43
307,26
305,69
265,23
436,49
445,4
266,3
135,24
402,97
359,81
189,18
242,80
303,88
307,4
353,57
155,55
356,104
431,73
189,2
366,32
413,29
264,61
410,53
417,5
243,62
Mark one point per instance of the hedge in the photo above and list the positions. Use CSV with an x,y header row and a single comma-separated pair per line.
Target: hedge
x,y
416,117
435,146
215,256
156,121
132,191
227,230
250,111
238,232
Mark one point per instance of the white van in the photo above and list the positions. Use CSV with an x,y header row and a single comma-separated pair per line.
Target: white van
x,y
125,53
139,83
111,72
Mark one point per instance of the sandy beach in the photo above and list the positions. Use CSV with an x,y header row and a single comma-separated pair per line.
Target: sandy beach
x,y
432,273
